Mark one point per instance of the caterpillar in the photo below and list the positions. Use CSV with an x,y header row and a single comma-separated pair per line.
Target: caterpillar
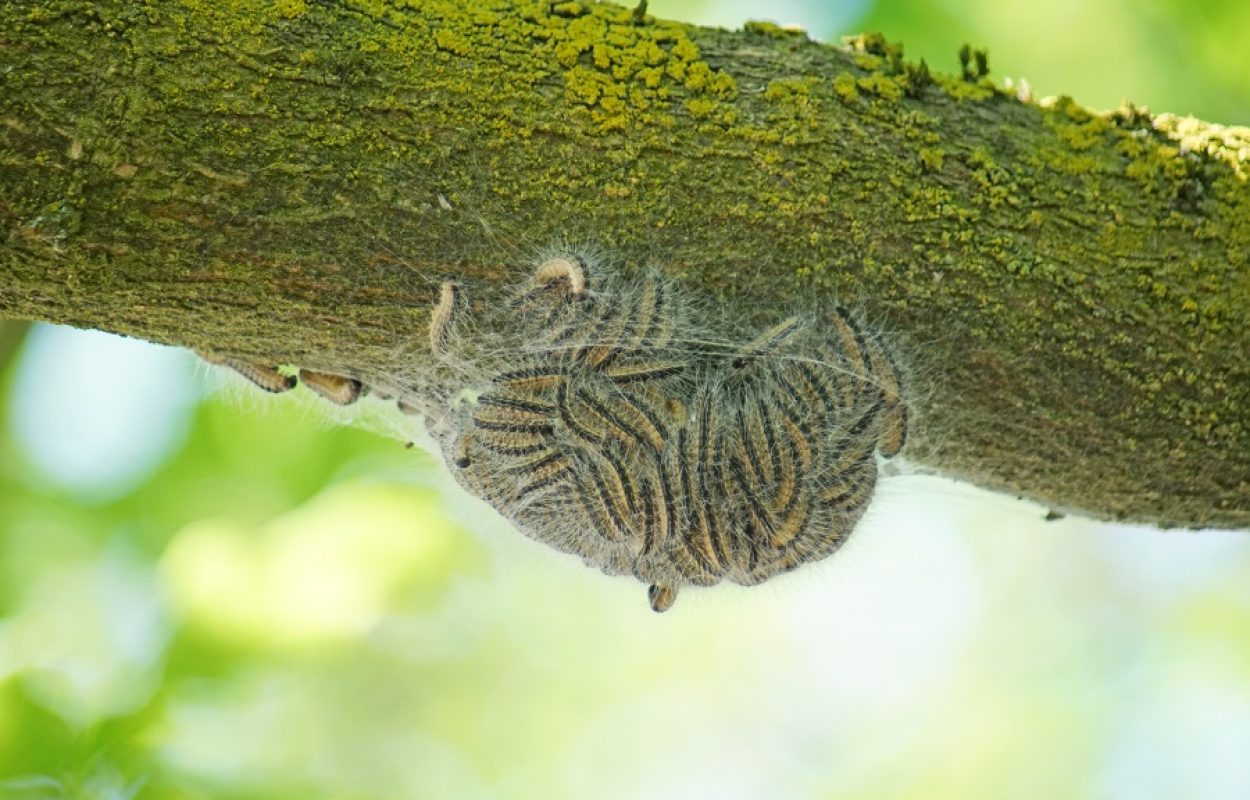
x,y
608,424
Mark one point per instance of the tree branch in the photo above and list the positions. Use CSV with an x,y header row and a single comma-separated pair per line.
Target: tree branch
x,y
289,180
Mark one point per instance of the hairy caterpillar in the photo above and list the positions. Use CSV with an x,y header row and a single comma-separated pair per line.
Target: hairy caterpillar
x,y
338,389
263,376
606,422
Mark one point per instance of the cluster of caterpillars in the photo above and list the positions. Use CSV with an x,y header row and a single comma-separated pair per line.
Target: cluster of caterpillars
x,y
611,426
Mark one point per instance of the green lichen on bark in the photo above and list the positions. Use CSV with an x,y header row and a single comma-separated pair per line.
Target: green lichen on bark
x,y
291,179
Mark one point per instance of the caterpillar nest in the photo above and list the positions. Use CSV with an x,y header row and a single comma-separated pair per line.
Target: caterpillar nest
x,y
606,422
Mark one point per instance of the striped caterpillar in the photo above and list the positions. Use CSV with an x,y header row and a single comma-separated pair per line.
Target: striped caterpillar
x,y
607,431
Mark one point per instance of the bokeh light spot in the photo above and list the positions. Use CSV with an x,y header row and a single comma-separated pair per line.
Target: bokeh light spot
x,y
97,413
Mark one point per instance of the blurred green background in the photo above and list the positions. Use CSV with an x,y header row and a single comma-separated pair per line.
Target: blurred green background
x,y
208,593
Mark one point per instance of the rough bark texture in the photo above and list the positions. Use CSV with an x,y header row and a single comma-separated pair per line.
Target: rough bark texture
x,y
290,179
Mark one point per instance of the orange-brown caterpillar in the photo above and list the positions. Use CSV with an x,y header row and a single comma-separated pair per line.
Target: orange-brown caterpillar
x,y
679,460
338,389
263,376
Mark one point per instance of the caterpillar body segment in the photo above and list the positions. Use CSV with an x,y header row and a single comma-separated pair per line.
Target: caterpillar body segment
x,y
661,596
767,342
338,389
263,376
443,316
565,270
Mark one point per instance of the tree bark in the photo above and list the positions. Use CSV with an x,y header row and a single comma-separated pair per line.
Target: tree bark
x,y
289,181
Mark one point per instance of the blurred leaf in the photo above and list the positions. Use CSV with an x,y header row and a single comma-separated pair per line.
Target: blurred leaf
x,y
1170,55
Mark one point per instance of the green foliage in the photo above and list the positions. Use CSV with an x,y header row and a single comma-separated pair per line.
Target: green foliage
x,y
1170,55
